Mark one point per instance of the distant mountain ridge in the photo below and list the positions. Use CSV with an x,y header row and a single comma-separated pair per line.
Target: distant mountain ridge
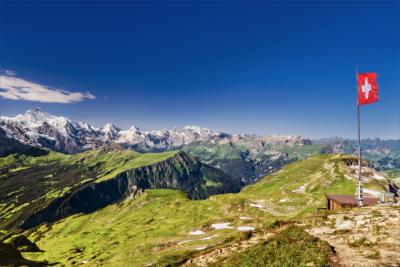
x,y
39,128
385,154
248,157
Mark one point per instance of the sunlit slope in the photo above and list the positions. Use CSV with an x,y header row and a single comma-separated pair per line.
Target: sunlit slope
x,y
29,184
44,189
155,227
302,185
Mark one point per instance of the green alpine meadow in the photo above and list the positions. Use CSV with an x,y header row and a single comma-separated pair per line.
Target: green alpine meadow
x,y
199,133
173,218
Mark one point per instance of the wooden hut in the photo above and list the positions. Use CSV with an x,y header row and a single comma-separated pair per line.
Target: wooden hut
x,y
335,202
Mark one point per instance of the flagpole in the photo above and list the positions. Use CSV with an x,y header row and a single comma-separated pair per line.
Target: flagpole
x,y
360,190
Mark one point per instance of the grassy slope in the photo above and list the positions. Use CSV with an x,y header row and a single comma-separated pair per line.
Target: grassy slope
x,y
319,175
393,173
129,233
148,229
41,179
109,163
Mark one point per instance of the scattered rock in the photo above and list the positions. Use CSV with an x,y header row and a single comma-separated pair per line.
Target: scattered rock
x,y
337,217
369,235
75,250
342,225
322,230
360,222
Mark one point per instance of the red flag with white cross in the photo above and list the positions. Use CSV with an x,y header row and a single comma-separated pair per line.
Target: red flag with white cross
x,y
367,88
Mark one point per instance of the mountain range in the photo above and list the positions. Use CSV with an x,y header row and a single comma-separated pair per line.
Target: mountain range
x,y
39,128
247,157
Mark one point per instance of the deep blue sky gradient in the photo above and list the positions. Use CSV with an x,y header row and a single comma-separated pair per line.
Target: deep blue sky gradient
x,y
260,67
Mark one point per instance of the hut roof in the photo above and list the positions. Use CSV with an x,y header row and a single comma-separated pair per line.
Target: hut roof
x,y
352,200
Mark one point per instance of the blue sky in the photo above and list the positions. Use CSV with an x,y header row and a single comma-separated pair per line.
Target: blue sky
x,y
260,67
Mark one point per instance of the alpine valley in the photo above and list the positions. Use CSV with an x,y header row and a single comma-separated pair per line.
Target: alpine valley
x,y
72,194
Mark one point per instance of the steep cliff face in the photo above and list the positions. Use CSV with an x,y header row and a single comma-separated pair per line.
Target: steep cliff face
x,y
181,171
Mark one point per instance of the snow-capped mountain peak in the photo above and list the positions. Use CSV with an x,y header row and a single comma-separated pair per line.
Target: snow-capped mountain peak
x,y
36,117
86,126
109,127
197,129
39,128
134,129
110,132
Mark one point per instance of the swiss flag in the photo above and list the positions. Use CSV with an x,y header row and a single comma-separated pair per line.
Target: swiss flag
x,y
367,88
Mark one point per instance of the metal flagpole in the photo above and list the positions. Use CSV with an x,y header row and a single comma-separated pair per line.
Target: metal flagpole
x,y
360,190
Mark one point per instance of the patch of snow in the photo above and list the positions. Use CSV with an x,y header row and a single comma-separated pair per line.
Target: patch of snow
x,y
201,248
7,131
245,218
201,239
372,192
301,189
197,232
378,176
348,177
245,228
219,226
283,200
257,205
208,237
186,241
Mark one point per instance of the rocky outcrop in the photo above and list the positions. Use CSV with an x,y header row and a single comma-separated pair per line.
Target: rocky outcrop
x,y
10,256
369,235
181,171
23,244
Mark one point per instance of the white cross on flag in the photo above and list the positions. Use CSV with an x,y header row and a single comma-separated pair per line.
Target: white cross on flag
x,y
367,88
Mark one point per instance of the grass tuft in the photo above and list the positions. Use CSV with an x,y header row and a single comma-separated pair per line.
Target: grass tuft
x,y
291,247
